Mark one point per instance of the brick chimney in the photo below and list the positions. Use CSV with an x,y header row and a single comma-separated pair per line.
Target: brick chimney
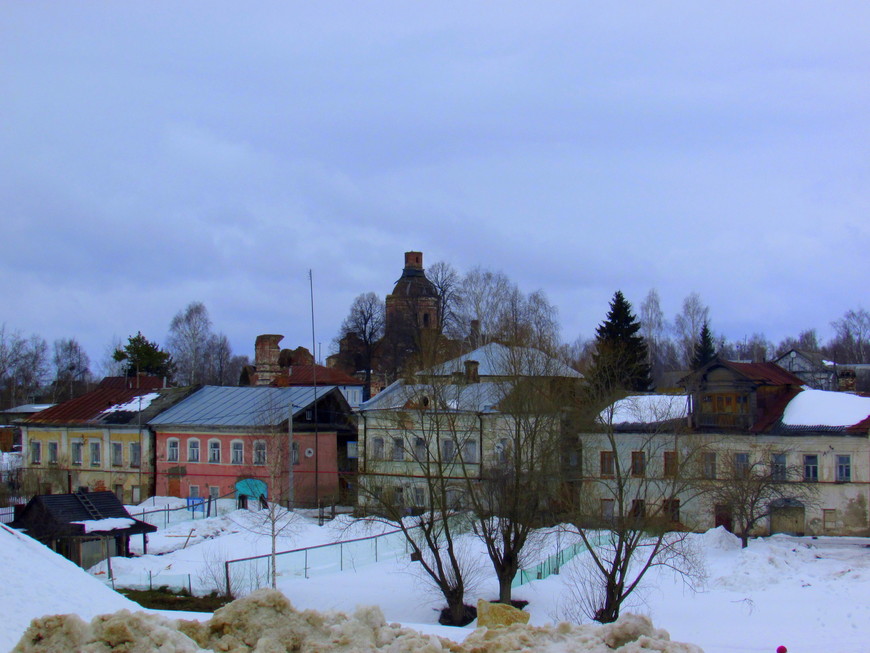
x,y
266,354
413,260
472,372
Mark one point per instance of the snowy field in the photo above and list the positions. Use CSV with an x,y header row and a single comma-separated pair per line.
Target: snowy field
x,y
807,594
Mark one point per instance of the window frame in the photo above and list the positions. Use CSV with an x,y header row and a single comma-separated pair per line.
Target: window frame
x,y
237,447
95,446
397,450
77,448
35,452
779,467
193,445
214,452
607,463
638,464
117,453
843,468
670,464
811,468
710,465
741,466
260,455
378,448
53,452
170,458
135,454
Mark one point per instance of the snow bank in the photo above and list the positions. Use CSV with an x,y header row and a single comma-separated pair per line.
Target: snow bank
x,y
37,581
825,408
266,622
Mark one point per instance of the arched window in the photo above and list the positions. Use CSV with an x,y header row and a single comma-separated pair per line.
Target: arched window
x,y
259,453
237,452
214,451
193,450
172,450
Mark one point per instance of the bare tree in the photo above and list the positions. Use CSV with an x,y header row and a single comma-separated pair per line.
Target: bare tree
x,y
483,293
687,326
189,339
628,515
109,365
653,328
446,280
750,486
362,330
851,342
24,366
71,366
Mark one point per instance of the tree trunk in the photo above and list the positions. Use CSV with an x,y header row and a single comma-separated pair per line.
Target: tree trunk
x,y
505,579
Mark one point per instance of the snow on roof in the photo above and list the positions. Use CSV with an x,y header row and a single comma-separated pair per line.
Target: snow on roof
x,y
646,409
37,581
133,405
495,359
476,397
826,408
102,525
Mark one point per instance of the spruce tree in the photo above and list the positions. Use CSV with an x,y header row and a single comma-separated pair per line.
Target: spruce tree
x,y
620,362
144,357
705,351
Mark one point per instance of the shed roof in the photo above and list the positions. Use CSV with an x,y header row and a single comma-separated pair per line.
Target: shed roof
x,y
59,513
244,406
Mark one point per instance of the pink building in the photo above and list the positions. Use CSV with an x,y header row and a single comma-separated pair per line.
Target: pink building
x,y
220,439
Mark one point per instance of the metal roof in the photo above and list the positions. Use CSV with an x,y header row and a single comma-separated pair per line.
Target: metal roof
x,y
246,406
495,359
476,397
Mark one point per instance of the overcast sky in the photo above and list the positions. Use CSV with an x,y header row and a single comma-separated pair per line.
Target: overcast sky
x,y
156,153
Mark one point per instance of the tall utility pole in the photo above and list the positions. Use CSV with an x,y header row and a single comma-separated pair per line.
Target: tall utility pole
x,y
314,381
291,491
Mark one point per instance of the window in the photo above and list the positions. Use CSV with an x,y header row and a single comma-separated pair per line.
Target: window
x,y
778,467
671,510
137,494
398,449
214,492
377,449
214,451
741,464
638,463
608,509
135,454
844,469
294,453
352,449
575,455
419,497
193,492
309,415
670,464
172,451
502,450
117,454
399,495
811,468
638,509
119,492
52,453
448,450
419,449
96,453
237,453
469,451
607,464
260,453
76,449
709,465
36,452
193,451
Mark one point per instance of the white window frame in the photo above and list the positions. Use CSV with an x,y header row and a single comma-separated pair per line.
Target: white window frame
x,y
259,452
76,452
193,445
214,452
193,492
237,447
844,468
53,452
135,454
378,448
173,450
35,452
398,449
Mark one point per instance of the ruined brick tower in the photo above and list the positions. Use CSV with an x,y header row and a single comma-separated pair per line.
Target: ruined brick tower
x,y
413,304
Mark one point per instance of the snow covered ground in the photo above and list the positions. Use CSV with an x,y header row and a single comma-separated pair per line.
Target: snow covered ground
x,y
807,594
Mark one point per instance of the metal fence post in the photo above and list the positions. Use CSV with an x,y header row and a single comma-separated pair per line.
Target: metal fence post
x,y
306,563
227,574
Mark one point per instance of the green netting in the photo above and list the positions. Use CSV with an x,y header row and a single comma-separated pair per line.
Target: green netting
x,y
550,566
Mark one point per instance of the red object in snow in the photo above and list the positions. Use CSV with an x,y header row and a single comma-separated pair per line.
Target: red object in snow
x,y
781,649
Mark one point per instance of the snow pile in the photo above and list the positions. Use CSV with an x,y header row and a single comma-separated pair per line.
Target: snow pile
x,y
266,622
718,539
825,408
37,581
134,405
110,524
646,409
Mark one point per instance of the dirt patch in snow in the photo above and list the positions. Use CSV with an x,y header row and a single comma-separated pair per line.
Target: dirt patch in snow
x,y
266,622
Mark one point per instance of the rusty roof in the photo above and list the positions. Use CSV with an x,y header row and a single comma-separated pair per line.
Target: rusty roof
x,y
767,373
141,382
91,407
304,375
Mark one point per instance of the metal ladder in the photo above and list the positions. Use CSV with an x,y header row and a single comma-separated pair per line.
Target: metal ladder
x,y
89,505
